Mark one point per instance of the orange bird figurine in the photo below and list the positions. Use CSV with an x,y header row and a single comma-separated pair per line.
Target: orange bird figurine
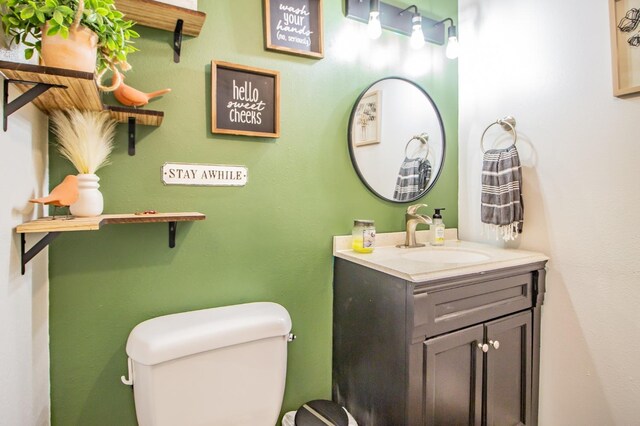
x,y
65,194
129,96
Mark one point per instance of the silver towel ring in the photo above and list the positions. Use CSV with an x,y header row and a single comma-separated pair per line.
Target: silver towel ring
x,y
423,138
508,123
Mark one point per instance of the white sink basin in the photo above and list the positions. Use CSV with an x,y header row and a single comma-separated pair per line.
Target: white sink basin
x,y
422,264
445,255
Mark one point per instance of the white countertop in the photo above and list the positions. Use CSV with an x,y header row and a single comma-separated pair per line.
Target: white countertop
x,y
455,258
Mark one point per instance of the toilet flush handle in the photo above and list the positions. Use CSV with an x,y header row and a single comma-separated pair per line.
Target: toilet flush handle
x,y
128,381
291,337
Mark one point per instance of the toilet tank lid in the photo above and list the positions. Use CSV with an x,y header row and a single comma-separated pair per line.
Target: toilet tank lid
x,y
174,336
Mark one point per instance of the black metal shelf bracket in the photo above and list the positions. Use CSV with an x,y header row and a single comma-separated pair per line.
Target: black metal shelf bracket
x,y
173,226
132,136
28,96
177,41
26,256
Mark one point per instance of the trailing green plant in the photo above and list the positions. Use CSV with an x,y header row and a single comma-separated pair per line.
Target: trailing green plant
x,y
24,21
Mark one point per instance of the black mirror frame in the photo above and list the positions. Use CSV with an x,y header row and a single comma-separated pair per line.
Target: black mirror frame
x,y
352,153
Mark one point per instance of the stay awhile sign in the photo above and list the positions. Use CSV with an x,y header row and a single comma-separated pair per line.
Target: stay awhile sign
x,y
203,174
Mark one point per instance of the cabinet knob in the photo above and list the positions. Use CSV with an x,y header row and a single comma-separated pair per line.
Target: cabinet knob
x,y
484,347
495,344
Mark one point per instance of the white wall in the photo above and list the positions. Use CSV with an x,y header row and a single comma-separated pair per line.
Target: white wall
x,y
24,324
548,63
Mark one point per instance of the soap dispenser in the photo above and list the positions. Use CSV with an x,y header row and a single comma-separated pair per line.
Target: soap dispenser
x,y
437,229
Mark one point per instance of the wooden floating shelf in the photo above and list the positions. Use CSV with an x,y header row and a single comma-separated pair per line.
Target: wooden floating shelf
x,y
145,117
162,16
47,224
80,92
53,227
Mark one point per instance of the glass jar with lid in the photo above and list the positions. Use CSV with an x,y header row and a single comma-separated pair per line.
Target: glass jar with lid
x,y
363,236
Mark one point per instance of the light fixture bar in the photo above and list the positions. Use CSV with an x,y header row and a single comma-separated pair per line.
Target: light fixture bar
x,y
391,19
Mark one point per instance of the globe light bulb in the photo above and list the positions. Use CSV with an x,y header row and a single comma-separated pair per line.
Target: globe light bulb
x,y
452,48
374,28
452,44
417,37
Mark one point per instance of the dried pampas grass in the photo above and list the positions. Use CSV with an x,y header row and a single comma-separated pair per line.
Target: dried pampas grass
x,y
85,138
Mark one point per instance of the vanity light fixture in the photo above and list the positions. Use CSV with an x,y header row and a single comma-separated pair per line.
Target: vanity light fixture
x,y
378,15
374,28
417,36
452,43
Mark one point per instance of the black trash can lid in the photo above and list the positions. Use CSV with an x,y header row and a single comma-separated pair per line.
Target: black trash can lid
x,y
321,412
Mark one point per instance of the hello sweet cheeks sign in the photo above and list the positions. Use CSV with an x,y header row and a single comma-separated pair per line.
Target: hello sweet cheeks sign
x,y
244,100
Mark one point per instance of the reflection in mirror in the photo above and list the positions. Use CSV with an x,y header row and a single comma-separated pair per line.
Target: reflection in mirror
x,y
396,140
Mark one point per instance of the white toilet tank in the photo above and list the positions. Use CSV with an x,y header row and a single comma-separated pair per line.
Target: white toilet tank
x,y
222,366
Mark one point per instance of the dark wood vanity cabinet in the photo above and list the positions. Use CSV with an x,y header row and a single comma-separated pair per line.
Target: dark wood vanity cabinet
x,y
455,351
455,368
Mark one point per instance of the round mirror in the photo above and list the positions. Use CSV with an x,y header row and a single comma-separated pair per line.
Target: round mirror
x,y
396,140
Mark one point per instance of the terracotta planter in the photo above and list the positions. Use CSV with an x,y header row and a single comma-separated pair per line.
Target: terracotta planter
x,y
77,52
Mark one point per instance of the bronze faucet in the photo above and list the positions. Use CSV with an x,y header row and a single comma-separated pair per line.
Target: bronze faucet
x,y
413,220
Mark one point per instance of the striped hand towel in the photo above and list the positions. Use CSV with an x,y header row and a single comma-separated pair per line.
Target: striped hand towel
x,y
412,179
502,208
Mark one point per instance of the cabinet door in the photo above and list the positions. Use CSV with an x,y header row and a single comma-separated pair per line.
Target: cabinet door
x,y
508,372
453,378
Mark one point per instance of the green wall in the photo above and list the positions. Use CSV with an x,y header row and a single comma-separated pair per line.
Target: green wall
x,y
268,241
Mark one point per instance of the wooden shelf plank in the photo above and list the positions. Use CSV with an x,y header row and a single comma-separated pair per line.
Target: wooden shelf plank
x,y
153,218
163,16
81,91
47,224
145,117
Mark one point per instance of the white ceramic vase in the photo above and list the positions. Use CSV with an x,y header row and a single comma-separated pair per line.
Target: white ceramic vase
x,y
90,202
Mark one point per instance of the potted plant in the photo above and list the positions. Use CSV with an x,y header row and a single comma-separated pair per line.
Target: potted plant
x,y
48,26
85,138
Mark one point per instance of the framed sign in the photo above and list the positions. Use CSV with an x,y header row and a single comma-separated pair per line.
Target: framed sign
x,y
203,174
294,26
244,100
625,45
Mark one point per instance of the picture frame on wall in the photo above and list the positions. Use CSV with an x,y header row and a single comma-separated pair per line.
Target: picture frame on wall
x,y
368,120
294,27
244,100
625,46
